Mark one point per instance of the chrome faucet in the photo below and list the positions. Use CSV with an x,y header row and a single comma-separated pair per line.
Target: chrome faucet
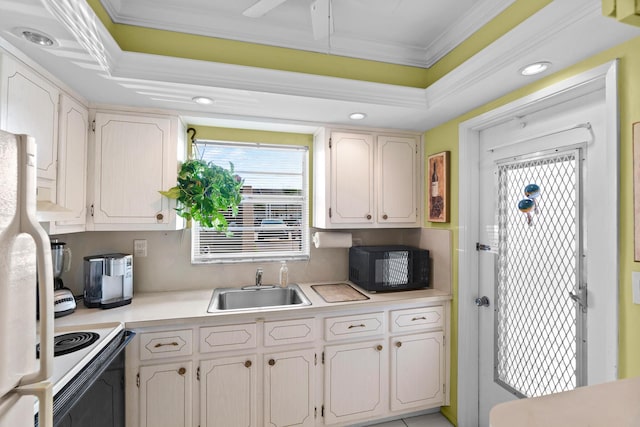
x,y
259,277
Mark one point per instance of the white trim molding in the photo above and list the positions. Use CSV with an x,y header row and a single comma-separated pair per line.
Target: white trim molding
x,y
602,224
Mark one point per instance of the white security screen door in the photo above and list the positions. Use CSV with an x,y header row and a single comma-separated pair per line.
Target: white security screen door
x,y
532,316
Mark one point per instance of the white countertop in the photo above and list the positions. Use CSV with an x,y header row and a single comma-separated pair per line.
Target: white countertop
x,y
613,404
158,308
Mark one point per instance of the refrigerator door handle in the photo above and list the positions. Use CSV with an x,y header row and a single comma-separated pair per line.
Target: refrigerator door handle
x,y
44,392
30,225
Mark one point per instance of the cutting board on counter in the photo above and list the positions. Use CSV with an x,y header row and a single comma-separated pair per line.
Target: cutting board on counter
x,y
339,292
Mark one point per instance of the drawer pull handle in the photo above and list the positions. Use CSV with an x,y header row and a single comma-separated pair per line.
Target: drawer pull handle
x,y
247,364
379,347
182,371
418,318
398,344
272,362
161,344
361,325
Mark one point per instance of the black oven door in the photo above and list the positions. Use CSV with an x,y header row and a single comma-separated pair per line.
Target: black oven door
x,y
95,397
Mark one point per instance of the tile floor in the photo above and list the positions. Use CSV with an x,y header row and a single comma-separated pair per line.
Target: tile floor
x,y
430,420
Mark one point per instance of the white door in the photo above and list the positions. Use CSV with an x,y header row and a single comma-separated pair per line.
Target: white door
x,y
541,127
532,320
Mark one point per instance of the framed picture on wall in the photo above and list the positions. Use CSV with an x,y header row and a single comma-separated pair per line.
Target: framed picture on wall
x,y
438,187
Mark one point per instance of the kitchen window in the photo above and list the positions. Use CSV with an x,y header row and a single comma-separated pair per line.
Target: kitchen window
x,y
273,219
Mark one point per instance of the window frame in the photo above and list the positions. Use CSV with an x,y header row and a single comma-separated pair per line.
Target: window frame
x,y
197,258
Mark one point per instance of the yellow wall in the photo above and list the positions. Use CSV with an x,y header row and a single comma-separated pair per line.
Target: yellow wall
x,y
445,137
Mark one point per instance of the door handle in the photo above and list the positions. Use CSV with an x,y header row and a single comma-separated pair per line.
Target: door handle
x,y
482,301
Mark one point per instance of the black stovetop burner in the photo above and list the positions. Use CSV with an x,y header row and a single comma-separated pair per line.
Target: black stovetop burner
x,y
68,343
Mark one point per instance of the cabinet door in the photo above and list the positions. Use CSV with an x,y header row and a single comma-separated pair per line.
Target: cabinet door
x,y
29,104
133,156
72,165
165,395
289,389
356,381
352,179
417,371
228,392
398,180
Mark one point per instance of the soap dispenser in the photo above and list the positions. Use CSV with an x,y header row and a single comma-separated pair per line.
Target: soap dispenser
x,y
284,274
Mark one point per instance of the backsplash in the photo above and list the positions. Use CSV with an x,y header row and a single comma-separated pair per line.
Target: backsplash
x,y
168,267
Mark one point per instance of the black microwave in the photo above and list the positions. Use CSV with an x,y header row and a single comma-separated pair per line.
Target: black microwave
x,y
389,268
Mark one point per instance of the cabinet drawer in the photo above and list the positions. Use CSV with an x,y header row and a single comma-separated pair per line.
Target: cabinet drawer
x,y
288,332
415,319
360,325
230,337
159,345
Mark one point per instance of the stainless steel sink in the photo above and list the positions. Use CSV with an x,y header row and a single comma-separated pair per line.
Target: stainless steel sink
x,y
251,297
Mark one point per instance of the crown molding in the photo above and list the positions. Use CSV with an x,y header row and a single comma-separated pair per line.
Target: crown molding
x,y
477,17
548,24
212,74
226,27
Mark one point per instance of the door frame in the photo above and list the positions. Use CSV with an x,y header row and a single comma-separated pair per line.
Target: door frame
x,y
607,252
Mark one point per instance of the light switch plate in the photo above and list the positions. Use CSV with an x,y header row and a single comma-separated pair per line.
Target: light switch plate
x,y
140,248
635,286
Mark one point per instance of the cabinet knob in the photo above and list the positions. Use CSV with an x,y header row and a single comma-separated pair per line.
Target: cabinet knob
x,y
398,344
368,216
272,362
379,347
247,364
385,216
159,216
182,371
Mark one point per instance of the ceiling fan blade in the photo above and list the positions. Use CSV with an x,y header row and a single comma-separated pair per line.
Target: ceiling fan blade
x,y
321,19
262,7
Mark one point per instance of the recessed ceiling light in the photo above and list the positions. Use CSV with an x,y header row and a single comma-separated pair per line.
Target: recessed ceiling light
x,y
357,116
37,37
535,68
202,100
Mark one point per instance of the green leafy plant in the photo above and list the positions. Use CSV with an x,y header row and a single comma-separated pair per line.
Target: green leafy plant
x,y
204,191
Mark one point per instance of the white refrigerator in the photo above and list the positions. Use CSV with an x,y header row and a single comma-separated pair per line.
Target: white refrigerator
x,y
25,265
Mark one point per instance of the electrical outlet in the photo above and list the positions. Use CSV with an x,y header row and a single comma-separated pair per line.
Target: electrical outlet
x,y
140,248
635,286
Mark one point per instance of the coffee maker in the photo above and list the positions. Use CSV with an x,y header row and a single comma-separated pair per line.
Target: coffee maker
x,y
63,300
108,280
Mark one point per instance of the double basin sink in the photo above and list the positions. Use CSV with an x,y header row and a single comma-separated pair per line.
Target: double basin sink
x,y
252,297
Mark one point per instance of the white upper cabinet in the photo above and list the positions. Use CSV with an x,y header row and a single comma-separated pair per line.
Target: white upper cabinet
x,y
366,179
398,181
29,105
72,166
134,156
352,177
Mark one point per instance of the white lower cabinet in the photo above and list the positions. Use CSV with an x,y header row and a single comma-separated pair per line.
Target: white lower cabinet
x,y
228,392
356,378
417,371
336,369
166,395
289,388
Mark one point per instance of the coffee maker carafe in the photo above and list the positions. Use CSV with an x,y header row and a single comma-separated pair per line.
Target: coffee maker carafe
x,y
63,300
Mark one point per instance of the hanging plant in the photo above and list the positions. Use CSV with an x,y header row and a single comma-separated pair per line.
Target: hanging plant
x,y
204,191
